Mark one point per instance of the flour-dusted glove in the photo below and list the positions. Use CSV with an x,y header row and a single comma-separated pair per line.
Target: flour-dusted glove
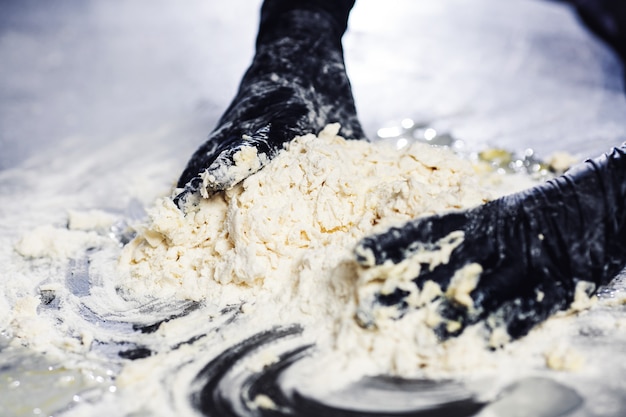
x,y
296,84
512,262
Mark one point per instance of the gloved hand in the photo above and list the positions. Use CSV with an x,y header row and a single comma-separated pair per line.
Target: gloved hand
x,y
296,84
518,259
607,18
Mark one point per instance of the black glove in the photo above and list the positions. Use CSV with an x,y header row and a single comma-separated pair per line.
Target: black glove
x,y
606,18
296,84
534,248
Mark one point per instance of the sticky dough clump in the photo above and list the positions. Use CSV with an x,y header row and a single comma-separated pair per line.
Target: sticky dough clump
x,y
303,212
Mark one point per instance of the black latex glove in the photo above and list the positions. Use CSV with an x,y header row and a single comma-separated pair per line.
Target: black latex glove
x,y
606,18
296,84
534,248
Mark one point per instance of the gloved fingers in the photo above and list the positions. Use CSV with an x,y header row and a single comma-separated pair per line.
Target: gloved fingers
x,y
296,84
399,243
512,317
475,259
502,296
262,116
517,262
226,165
406,267
485,292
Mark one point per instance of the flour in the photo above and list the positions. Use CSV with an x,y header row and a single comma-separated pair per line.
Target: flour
x,y
564,358
463,283
55,242
245,162
287,234
90,220
317,198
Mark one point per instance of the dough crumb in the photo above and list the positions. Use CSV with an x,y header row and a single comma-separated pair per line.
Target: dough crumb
x,y
564,358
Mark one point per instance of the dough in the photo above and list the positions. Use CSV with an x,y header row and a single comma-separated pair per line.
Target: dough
x,y
283,240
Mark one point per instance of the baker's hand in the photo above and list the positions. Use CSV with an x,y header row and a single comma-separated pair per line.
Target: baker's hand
x,y
512,262
607,18
296,84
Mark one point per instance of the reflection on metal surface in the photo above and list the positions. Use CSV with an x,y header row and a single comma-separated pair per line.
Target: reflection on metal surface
x,y
407,131
507,161
537,397
228,387
33,384
403,133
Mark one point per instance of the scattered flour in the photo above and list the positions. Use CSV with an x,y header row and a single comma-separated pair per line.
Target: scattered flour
x,y
90,220
562,161
564,358
57,243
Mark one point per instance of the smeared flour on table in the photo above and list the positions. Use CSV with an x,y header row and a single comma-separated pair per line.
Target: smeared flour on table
x,y
276,249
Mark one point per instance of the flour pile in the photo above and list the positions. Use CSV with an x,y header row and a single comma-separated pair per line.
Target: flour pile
x,y
304,212
282,242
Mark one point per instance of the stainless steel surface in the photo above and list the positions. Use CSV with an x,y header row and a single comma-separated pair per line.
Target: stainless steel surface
x,y
518,71
96,89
